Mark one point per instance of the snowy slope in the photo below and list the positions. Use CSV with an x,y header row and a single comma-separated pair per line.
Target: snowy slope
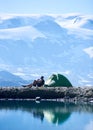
x,y
34,45
10,80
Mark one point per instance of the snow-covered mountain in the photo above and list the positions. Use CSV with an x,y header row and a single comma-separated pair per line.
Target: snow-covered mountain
x,y
35,45
8,79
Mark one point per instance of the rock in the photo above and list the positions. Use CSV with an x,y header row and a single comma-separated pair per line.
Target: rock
x,y
53,93
88,92
38,99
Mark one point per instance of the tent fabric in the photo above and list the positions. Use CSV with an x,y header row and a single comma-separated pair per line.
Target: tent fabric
x,y
57,80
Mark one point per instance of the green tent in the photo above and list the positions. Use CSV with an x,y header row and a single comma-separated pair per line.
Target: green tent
x,y
56,117
57,80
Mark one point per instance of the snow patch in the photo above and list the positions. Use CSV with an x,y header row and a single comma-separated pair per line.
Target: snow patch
x,y
20,33
89,51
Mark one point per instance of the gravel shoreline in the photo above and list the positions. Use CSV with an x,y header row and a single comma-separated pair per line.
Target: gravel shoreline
x,y
64,94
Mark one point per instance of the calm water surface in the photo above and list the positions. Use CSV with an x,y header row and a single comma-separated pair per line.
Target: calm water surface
x,y
29,115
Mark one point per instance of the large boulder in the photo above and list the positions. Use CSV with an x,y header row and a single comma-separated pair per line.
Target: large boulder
x,y
57,80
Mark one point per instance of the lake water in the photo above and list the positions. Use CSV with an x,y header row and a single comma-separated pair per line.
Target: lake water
x,y
46,115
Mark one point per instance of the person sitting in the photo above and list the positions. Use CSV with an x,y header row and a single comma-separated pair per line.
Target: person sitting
x,y
39,82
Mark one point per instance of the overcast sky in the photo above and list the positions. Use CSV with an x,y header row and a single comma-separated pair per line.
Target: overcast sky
x,y
46,6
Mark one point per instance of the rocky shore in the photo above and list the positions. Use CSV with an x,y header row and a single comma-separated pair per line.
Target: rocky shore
x,y
74,94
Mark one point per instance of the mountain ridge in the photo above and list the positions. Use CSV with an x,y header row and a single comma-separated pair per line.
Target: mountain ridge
x,y
35,45
8,79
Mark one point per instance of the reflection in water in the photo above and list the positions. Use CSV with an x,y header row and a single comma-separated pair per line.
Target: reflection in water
x,y
54,112
89,126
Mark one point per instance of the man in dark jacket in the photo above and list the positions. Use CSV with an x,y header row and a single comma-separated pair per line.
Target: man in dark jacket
x,y
39,82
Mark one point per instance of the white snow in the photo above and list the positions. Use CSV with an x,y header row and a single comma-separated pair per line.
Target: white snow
x,y
74,23
72,20
89,51
20,33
